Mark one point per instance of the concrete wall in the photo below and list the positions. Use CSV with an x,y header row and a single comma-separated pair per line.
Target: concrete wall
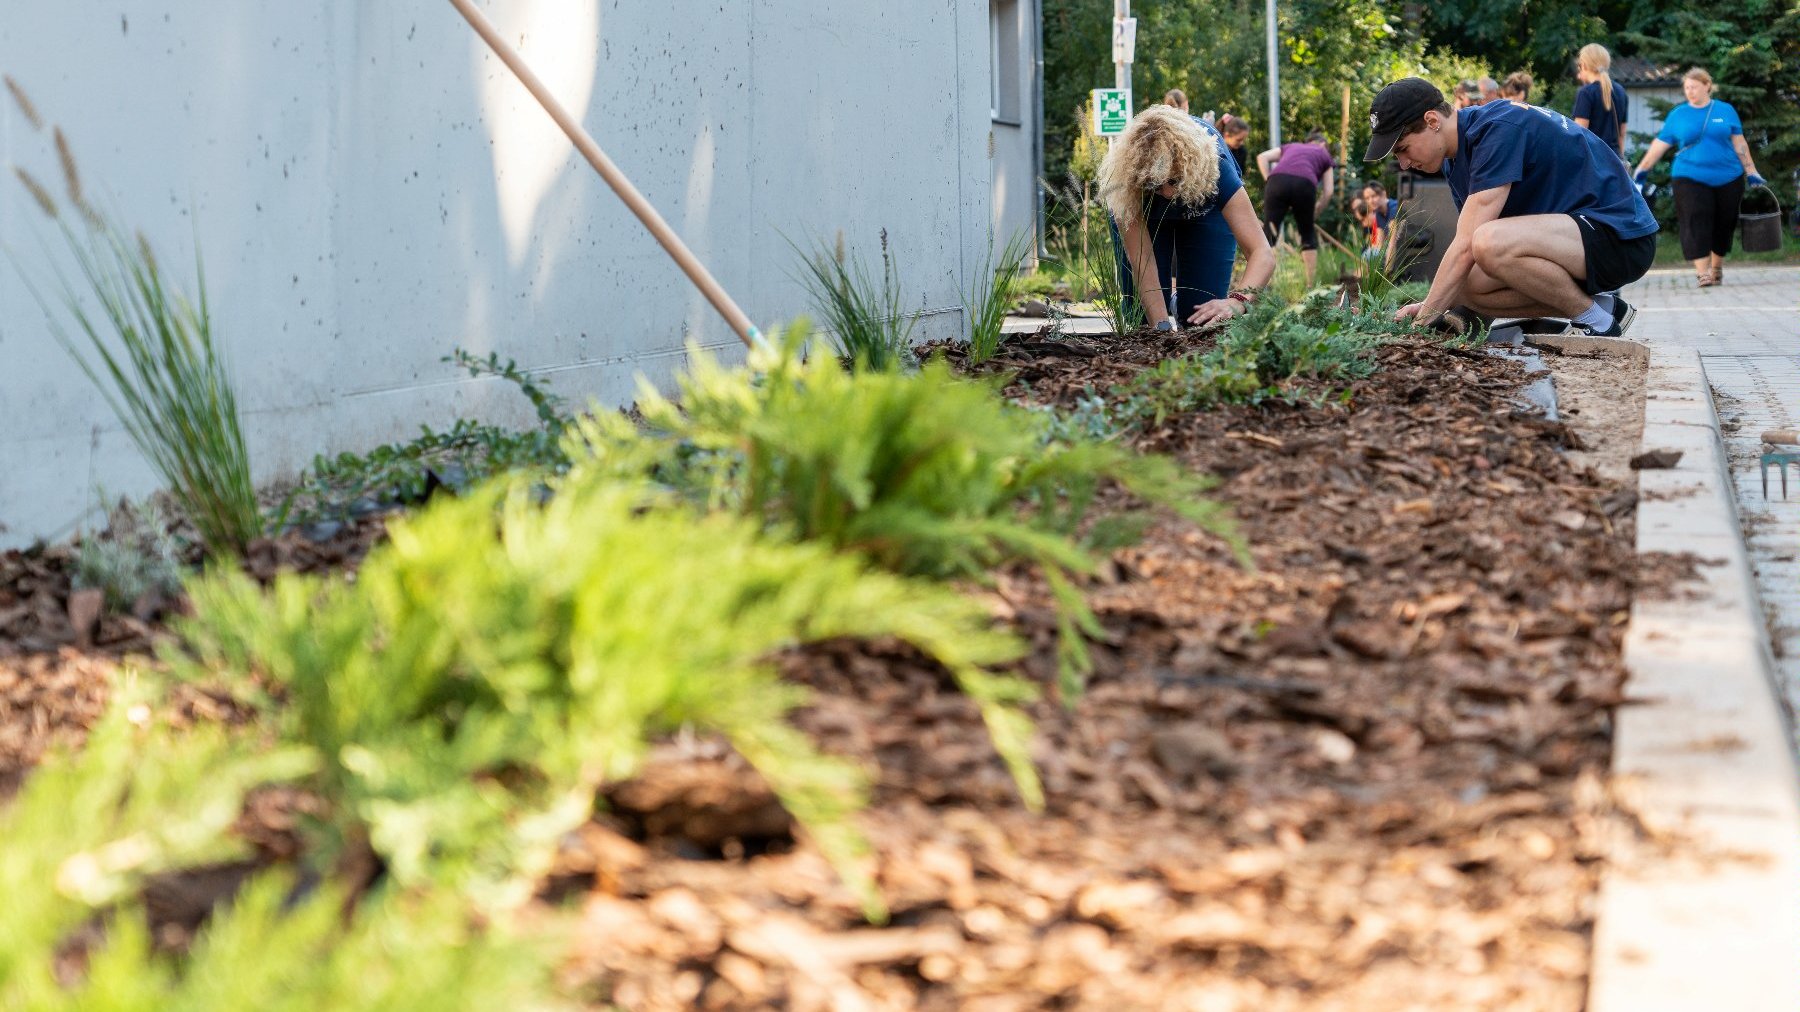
x,y
1017,132
370,188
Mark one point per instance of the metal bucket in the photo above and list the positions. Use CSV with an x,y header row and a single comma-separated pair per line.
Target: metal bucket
x,y
1762,232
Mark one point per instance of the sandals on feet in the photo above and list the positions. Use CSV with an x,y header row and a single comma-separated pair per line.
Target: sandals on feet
x,y
1706,279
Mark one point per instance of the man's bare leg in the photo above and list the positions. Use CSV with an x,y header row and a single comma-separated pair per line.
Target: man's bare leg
x,y
1540,258
1490,297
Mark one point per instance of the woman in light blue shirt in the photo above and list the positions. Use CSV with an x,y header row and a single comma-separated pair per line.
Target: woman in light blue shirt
x,y
1712,164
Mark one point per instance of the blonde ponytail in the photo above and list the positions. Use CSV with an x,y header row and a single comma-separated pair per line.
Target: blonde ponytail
x,y
1594,59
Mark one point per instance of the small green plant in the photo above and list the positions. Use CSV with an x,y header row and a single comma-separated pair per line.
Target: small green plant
x,y
134,557
552,411
1262,352
924,474
150,352
497,659
469,451
1103,273
866,321
90,829
992,296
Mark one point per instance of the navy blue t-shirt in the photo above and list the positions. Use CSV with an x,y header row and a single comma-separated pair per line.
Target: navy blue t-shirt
x,y
1602,121
1554,166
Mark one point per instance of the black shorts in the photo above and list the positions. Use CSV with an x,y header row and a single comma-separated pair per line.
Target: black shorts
x,y
1612,262
1284,193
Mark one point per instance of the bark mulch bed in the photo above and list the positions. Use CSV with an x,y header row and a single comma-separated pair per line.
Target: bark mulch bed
x,y
1366,774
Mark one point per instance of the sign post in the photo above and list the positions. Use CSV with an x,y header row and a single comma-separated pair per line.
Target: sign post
x,y
1112,111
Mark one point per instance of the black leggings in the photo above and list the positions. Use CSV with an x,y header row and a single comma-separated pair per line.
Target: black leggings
x,y
1707,216
1284,193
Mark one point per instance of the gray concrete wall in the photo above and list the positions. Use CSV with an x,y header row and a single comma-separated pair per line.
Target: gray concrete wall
x,y
1017,133
370,188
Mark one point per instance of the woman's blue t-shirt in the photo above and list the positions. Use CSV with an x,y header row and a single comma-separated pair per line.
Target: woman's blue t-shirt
x,y
1703,137
1554,166
1604,122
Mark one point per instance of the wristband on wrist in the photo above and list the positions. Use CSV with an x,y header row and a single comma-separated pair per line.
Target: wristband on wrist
x,y
1245,296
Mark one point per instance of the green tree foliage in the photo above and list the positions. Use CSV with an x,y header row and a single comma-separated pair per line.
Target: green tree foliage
x,y
1215,53
1542,36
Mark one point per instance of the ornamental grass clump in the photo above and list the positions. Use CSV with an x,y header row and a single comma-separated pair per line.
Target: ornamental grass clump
x,y
502,656
924,474
90,830
992,296
150,351
865,319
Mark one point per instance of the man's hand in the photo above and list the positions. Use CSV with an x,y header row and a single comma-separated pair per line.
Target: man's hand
x,y
1410,311
1216,311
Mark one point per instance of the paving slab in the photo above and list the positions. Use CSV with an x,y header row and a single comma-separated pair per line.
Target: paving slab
x,y
1702,909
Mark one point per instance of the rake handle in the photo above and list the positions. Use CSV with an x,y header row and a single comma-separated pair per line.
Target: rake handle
x,y
584,143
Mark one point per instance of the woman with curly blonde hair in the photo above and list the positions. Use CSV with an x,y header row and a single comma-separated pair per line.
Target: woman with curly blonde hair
x,y
1180,213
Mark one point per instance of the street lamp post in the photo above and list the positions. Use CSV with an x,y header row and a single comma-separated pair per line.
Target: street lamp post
x,y
1274,77
1121,52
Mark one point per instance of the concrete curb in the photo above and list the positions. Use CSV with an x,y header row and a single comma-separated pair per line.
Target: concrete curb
x,y
1705,913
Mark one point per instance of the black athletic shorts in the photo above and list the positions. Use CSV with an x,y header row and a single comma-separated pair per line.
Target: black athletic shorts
x,y
1612,262
1285,192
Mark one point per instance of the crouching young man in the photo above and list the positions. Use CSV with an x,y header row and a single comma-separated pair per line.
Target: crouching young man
x,y
1549,223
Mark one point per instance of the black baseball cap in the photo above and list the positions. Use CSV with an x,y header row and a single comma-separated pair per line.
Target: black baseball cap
x,y
1398,104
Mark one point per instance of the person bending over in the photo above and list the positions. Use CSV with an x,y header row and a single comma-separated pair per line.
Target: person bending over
x,y
1179,215
1299,181
1548,223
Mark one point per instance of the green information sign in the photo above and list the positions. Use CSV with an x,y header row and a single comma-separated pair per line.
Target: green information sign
x,y
1112,110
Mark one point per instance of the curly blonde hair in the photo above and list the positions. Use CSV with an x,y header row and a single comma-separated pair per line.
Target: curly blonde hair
x,y
1162,145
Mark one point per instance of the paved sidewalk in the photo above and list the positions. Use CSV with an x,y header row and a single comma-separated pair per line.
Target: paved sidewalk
x,y
1747,332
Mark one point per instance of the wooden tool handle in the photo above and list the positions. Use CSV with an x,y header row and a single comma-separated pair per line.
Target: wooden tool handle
x,y
584,143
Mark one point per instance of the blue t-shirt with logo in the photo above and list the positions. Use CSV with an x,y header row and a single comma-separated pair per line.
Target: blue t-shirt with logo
x,y
1703,137
1554,166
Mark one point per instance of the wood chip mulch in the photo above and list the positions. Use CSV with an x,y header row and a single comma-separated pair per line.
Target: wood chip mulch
x,y
1367,774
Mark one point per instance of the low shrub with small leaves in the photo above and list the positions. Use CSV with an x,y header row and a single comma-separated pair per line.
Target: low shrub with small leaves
x,y
925,474
135,557
465,454
500,657
1261,354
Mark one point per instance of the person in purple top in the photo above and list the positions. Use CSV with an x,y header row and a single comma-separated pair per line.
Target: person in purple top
x,y
1299,180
